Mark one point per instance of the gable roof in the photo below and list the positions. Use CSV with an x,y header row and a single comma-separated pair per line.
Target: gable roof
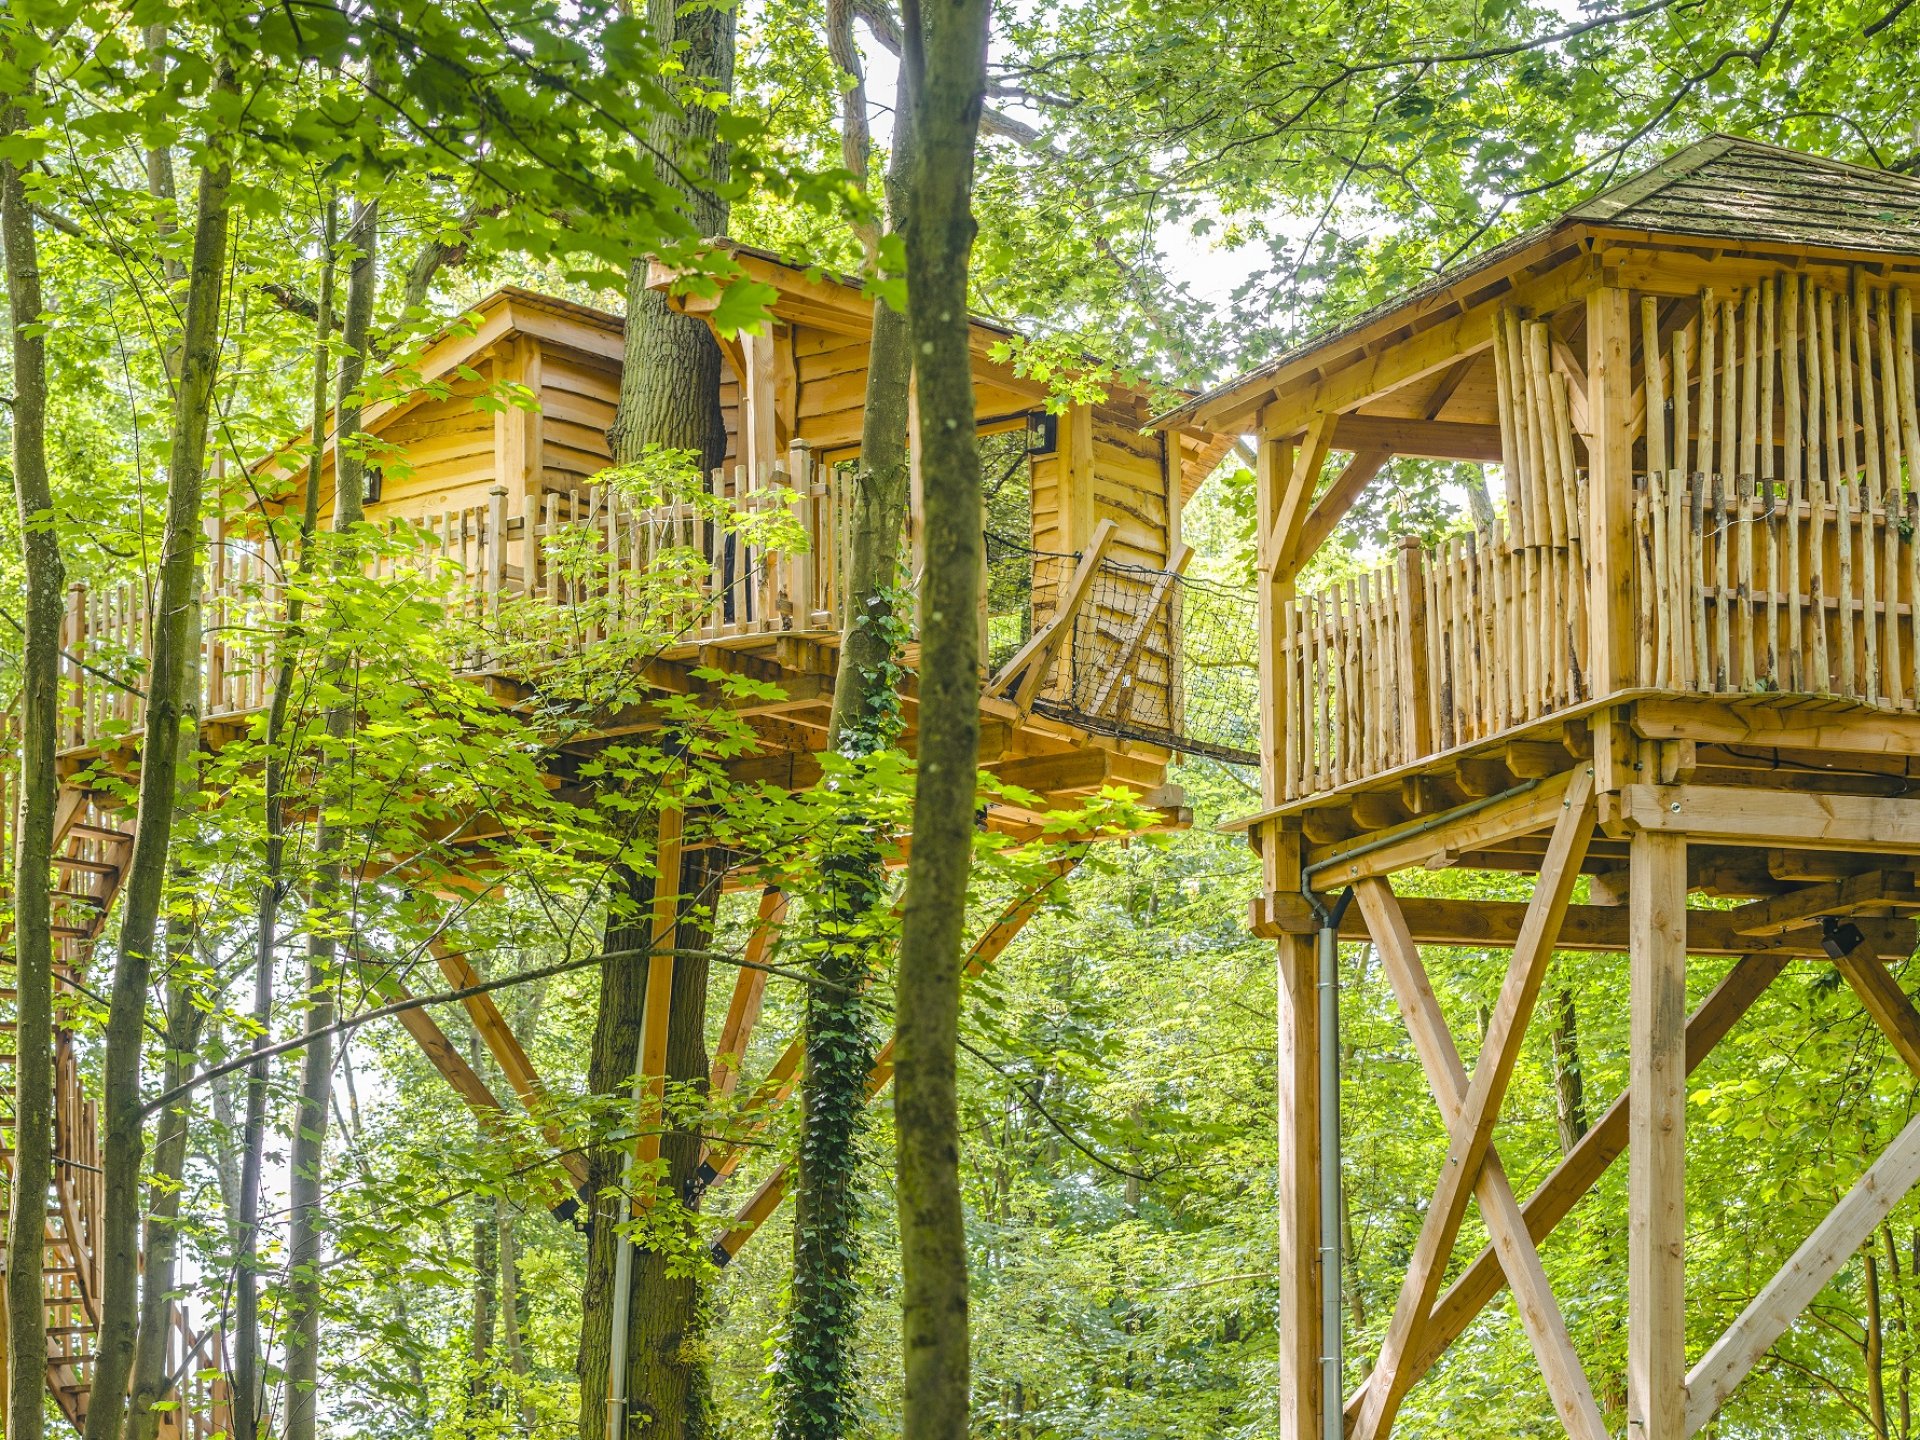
x,y
1723,188
1727,187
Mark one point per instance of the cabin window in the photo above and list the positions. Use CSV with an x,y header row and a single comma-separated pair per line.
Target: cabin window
x,y
1006,476
374,484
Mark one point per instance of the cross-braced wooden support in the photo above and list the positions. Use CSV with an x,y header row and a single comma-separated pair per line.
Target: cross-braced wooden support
x,y
1666,1400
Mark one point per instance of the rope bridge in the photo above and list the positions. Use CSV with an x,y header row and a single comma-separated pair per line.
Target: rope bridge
x,y
1126,650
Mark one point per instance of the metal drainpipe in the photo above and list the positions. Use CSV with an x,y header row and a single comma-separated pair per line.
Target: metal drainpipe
x,y
622,1282
1333,1422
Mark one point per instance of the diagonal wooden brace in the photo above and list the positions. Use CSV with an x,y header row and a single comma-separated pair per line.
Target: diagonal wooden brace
x,y
1467,1147
1546,1328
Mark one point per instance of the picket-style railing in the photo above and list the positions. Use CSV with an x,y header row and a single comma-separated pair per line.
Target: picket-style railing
x,y
592,552
1776,542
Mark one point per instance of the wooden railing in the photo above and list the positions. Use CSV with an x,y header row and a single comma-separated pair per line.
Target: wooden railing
x,y
590,551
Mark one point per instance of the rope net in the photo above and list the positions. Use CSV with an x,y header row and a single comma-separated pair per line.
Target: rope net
x,y
1151,655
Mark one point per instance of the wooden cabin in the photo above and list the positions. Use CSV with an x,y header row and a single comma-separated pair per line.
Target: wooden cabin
x,y
1683,660
490,444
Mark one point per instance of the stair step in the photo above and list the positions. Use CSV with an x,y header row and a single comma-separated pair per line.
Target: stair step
x,y
101,832
91,867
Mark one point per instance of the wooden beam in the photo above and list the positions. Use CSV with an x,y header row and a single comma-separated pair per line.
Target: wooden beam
x,y
1347,487
1800,907
1383,356
1482,924
1540,1316
1468,1141
1735,815
1848,1226
1421,439
993,940
749,993
1758,722
1583,1166
446,1058
1137,629
1296,499
1656,1179
1473,826
651,1081
492,1026
1886,1002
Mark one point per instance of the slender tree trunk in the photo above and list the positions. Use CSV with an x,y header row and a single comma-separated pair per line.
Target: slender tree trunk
x,y
166,716
947,62
32,861
486,1289
666,1372
816,1393
511,1333
186,1017
1569,1081
1875,1347
306,1222
1903,1372
248,1383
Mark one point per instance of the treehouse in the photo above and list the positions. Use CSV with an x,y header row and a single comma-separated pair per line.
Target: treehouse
x,y
1681,659
488,448
1081,607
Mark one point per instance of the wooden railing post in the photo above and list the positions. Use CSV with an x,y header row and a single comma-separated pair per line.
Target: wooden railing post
x,y
1416,685
801,569
76,646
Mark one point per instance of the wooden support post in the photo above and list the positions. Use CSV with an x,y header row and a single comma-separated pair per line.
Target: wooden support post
x,y
1611,606
651,1112
1468,1141
1657,1199
749,993
1885,1001
1299,1190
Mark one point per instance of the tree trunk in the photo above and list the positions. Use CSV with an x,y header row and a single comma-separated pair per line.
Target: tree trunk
x,y
510,1328
670,376
947,63
306,1181
666,1375
186,1017
816,1390
165,718
1875,1348
486,1289
248,1392
669,399
32,880
1569,1083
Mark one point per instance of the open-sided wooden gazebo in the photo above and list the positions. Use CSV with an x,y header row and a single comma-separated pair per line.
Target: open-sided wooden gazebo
x,y
1682,660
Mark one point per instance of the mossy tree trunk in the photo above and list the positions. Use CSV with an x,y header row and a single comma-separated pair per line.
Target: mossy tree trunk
x,y
816,1390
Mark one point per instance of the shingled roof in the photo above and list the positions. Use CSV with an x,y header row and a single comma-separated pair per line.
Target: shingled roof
x,y
1722,188
1726,187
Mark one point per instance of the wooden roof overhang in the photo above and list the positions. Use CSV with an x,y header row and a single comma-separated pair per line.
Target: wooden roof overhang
x,y
812,298
466,342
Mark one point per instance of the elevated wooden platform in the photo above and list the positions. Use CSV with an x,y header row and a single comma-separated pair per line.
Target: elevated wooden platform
x,y
1680,658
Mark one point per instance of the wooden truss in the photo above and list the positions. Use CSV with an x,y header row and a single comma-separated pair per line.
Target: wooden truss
x,y
1666,1400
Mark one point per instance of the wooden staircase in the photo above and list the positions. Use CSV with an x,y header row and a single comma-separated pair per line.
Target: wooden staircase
x,y
93,843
